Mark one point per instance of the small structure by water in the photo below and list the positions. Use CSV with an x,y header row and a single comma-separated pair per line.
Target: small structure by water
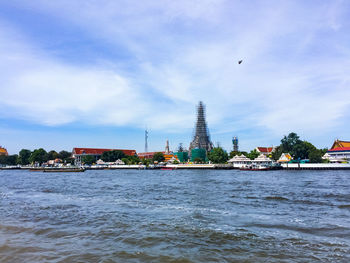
x,y
262,160
239,161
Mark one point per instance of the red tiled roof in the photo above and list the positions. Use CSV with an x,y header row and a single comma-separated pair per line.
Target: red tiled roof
x,y
265,149
340,149
98,151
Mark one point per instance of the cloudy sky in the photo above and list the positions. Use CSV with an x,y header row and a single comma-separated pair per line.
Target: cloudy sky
x,y
94,73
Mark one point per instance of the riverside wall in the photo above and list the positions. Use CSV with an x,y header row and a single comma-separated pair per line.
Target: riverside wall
x,y
316,166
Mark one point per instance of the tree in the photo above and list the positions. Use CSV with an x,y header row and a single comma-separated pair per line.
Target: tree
x,y
23,157
234,153
253,154
8,159
112,156
298,149
217,155
52,155
38,155
88,159
288,142
126,160
133,159
276,154
158,157
315,156
146,161
65,156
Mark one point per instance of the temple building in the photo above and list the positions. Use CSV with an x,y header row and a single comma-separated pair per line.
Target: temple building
x,y
339,152
78,153
3,151
201,138
285,158
265,150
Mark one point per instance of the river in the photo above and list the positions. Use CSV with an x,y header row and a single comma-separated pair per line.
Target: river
x,y
175,216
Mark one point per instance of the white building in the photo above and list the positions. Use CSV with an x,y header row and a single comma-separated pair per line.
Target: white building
x,y
339,152
284,158
262,160
239,161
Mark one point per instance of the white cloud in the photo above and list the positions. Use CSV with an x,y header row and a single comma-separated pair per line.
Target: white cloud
x,y
293,75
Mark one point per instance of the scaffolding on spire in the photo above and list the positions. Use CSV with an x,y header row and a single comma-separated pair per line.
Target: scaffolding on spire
x,y
167,149
201,138
235,144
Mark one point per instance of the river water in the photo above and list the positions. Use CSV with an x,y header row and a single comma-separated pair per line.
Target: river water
x,y
175,216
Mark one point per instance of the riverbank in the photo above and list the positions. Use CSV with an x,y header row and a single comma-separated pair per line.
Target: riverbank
x,y
287,166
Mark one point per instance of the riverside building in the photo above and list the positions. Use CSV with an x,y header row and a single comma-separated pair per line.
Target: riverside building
x,y
339,152
265,150
79,153
3,151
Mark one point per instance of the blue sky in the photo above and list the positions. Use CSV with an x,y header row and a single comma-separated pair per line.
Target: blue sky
x,y
96,73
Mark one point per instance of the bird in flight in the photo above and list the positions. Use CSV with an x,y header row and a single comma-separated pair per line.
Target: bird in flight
x,y
240,61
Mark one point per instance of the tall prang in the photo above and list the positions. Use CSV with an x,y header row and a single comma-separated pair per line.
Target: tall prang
x,y
201,138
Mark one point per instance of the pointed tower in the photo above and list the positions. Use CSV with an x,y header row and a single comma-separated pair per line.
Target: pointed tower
x,y
201,139
146,141
167,149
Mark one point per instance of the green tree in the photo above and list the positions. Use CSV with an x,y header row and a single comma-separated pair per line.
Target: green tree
x,y
8,159
298,149
23,157
244,153
133,159
112,156
253,154
276,154
288,142
146,161
315,156
65,156
39,156
52,155
158,157
234,153
126,160
218,155
88,159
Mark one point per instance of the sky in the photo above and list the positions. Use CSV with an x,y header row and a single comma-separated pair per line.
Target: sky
x,y
88,73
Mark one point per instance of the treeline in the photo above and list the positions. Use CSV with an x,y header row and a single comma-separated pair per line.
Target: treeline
x,y
25,157
112,156
293,145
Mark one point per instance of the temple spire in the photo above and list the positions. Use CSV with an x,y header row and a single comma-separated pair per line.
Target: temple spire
x,y
201,138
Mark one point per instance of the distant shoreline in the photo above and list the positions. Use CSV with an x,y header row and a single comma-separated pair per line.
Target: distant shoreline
x,y
287,166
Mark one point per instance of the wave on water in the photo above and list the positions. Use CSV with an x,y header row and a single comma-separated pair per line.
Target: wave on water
x,y
277,198
188,216
344,206
330,231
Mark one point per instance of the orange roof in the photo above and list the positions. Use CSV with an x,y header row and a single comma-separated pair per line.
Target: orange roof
x,y
3,151
340,144
98,151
